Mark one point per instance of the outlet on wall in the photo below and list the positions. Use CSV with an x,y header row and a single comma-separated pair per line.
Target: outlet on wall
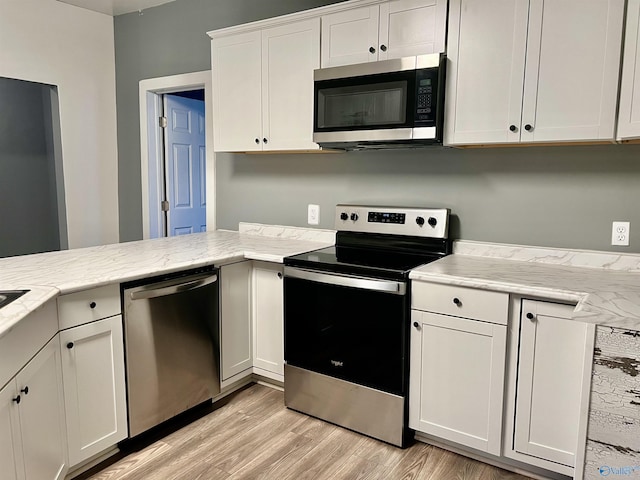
x,y
620,233
313,214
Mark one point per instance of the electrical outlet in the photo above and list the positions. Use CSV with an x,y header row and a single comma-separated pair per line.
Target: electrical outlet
x,y
313,214
620,233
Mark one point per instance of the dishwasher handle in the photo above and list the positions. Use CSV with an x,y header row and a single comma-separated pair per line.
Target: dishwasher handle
x,y
153,291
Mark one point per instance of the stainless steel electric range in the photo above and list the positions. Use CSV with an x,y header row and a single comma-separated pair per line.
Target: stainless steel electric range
x,y
347,316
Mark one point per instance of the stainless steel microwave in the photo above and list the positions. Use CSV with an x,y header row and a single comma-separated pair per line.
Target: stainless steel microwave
x,y
388,104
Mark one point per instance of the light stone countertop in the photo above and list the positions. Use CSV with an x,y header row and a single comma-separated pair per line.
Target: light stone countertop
x,y
604,286
47,275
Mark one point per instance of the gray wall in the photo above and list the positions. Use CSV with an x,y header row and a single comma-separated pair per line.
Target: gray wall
x,y
168,40
565,196
28,193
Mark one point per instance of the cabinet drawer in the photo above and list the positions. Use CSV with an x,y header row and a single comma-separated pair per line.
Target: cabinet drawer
x,y
88,305
461,302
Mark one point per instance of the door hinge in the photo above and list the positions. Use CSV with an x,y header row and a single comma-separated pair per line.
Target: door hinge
x,y
162,122
164,205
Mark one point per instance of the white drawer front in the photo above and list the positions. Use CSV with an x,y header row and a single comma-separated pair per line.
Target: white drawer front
x,y
460,301
88,305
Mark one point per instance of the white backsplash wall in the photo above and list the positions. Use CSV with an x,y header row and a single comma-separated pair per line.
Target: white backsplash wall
x,y
565,196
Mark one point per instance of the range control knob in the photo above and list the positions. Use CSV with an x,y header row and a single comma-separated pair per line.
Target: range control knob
x,y
344,216
420,221
354,216
432,221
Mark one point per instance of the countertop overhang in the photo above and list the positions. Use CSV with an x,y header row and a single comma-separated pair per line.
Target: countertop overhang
x,y
604,286
603,294
50,274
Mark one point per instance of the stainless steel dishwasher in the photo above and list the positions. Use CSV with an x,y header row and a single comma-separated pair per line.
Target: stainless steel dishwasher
x,y
171,333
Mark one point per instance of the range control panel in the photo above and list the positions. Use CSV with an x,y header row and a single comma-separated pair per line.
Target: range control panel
x,y
421,222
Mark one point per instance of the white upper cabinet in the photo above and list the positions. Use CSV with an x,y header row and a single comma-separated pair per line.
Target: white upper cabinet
x,y
573,62
394,29
236,63
485,71
263,88
629,113
350,37
290,54
532,70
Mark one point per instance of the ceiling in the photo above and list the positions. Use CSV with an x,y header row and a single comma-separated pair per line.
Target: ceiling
x,y
116,7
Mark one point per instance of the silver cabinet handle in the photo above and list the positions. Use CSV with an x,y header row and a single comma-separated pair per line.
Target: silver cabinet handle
x,y
386,286
154,290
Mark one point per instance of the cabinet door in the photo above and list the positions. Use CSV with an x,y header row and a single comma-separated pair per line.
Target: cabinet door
x,y
10,437
411,27
486,52
42,419
290,54
268,319
629,115
350,37
550,393
93,375
235,319
236,69
573,62
457,379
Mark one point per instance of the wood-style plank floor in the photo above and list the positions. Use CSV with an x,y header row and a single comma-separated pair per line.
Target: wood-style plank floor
x,y
254,436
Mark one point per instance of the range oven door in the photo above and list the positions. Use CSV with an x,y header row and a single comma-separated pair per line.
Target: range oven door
x,y
347,327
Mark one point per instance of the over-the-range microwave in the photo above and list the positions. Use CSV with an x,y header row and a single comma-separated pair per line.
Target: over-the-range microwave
x,y
387,104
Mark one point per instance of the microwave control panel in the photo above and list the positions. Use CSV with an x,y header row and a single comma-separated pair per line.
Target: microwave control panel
x,y
426,91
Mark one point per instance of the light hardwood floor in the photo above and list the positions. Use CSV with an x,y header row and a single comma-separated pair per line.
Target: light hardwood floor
x,y
254,436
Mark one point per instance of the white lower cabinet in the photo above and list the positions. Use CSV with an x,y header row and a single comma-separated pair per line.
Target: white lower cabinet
x,y
32,434
251,320
457,379
236,349
550,387
268,320
457,364
94,386
10,437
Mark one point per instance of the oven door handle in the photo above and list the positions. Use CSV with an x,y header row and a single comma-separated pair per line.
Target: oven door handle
x,y
385,286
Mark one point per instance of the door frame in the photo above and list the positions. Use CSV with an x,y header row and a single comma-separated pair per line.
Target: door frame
x,y
151,153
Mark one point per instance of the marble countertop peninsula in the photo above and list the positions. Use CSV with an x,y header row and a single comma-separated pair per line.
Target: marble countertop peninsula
x,y
49,274
605,286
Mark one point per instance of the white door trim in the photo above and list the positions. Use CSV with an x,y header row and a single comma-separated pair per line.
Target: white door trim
x,y
176,83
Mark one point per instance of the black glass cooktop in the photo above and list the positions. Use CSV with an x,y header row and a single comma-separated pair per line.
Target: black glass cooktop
x,y
373,255
372,263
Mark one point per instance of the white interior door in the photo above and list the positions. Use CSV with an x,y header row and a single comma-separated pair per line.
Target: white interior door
x,y
185,165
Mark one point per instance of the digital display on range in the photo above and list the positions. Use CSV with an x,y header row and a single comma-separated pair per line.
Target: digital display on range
x,y
386,217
